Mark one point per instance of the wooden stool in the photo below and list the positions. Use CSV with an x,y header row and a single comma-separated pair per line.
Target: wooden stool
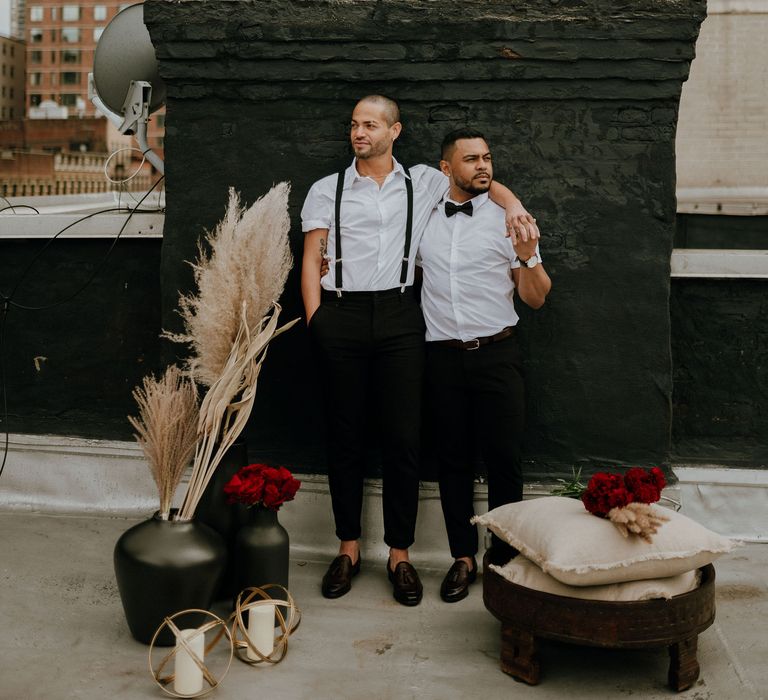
x,y
527,615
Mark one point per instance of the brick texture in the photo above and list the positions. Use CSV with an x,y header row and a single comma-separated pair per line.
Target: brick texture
x,y
579,102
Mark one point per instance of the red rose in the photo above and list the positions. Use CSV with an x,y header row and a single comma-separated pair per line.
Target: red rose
x,y
644,485
604,492
262,485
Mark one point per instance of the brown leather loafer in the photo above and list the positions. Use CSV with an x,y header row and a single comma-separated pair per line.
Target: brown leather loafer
x,y
455,585
338,579
406,586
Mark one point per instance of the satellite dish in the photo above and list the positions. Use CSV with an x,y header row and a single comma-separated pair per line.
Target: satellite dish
x,y
124,54
125,85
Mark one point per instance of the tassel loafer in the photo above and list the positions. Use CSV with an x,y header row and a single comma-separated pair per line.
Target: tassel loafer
x,y
406,586
338,579
456,583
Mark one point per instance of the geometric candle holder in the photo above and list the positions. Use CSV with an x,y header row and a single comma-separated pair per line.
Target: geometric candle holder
x,y
288,617
182,643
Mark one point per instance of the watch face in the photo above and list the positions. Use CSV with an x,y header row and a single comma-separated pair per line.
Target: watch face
x,y
532,261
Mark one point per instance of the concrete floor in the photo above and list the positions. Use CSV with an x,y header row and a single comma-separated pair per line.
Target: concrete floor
x,y
63,635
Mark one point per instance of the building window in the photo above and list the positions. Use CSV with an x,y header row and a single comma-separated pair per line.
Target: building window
x,y
11,92
2,91
35,100
10,116
54,13
12,70
36,36
35,56
35,14
99,13
97,32
70,13
53,57
70,78
35,79
70,56
69,100
2,114
70,35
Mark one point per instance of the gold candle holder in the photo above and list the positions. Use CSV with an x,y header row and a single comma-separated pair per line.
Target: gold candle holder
x,y
181,642
289,622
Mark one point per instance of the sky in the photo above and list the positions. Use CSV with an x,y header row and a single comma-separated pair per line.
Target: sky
x,y
5,17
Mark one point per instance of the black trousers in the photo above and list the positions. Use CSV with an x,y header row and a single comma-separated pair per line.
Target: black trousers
x,y
475,401
372,352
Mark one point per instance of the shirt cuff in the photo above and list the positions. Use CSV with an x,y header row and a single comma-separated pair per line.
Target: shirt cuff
x,y
312,224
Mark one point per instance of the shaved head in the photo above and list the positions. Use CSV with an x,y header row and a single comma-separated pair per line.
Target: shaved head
x,y
388,106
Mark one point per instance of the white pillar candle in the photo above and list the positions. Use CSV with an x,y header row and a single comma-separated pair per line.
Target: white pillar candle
x,y
261,630
188,677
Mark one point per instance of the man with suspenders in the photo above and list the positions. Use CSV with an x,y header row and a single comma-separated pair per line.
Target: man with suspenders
x,y
367,322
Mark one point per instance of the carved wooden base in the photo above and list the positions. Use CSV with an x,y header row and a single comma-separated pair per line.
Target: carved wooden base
x,y
527,616
683,665
519,655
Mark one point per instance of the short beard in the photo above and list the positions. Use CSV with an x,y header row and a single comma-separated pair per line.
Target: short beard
x,y
375,150
469,188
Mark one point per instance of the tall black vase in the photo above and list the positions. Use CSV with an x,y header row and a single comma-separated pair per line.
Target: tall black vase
x,y
225,518
261,550
164,566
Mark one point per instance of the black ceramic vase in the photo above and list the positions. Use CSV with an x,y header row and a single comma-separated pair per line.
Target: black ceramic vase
x,y
225,518
164,566
261,550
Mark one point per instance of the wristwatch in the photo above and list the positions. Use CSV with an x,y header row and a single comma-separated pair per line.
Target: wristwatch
x,y
531,262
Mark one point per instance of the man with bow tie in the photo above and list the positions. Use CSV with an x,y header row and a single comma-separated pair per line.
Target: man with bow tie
x,y
474,382
368,220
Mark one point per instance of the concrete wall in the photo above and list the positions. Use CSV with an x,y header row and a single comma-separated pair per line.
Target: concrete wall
x,y
579,102
724,107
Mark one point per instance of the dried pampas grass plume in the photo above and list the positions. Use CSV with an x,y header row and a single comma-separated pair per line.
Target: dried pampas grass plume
x,y
637,519
230,321
166,429
244,273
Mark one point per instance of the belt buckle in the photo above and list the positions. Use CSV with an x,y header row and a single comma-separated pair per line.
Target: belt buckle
x,y
476,345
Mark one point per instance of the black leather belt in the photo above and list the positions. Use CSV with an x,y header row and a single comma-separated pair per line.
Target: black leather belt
x,y
328,295
475,343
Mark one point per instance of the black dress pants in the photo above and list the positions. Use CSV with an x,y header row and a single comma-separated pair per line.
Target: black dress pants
x,y
475,399
372,353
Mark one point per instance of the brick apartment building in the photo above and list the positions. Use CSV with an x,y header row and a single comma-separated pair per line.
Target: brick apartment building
x,y
12,56
61,42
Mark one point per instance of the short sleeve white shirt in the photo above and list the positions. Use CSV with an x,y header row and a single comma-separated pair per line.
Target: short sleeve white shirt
x,y
373,223
468,287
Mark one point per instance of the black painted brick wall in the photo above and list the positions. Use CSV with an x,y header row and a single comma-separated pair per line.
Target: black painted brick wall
x,y
720,351
70,370
579,101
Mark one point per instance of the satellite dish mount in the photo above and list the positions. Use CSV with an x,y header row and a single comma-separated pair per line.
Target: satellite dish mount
x,y
124,73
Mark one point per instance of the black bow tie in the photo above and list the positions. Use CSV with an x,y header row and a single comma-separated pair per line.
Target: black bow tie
x,y
451,208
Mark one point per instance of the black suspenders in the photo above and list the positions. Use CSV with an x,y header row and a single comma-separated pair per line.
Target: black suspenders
x,y
408,231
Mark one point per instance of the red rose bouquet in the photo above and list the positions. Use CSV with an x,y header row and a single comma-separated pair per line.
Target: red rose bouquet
x,y
262,485
625,500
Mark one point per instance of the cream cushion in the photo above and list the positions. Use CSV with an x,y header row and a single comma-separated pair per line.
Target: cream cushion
x,y
525,573
580,549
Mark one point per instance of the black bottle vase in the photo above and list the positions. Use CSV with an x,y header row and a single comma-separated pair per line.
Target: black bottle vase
x,y
261,550
164,566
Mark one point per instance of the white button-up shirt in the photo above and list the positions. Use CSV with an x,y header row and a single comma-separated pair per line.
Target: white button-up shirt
x,y
467,261
372,223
